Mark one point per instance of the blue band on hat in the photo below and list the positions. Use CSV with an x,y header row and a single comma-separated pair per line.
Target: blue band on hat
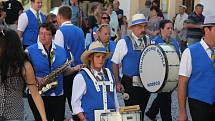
x,y
138,21
99,49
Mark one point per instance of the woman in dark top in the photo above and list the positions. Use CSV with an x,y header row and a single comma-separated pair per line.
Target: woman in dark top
x,y
15,71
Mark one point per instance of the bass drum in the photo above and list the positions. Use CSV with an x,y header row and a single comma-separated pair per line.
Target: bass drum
x,y
158,67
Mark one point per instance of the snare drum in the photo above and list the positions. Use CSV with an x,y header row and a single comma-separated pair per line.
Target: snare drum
x,y
158,67
124,116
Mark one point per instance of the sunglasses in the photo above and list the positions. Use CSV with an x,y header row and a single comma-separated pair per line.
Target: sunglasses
x,y
106,18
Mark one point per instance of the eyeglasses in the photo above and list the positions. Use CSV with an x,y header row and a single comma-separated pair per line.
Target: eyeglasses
x,y
106,18
46,34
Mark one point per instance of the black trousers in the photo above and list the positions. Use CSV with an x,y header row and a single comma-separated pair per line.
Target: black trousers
x,y
161,103
137,95
201,111
54,106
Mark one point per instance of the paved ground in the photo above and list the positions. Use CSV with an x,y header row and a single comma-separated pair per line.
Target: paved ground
x,y
29,116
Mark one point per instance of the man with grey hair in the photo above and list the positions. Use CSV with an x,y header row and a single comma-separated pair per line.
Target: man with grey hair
x,y
128,52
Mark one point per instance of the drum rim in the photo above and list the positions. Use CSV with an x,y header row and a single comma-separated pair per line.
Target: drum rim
x,y
166,76
167,68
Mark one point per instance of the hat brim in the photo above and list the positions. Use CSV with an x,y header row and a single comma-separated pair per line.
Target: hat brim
x,y
204,25
133,24
85,55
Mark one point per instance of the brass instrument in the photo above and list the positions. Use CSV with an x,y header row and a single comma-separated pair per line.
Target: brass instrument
x,y
50,78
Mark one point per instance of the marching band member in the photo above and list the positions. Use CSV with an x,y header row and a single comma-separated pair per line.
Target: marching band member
x,y
29,22
163,100
46,58
103,33
128,52
15,71
71,38
197,77
94,86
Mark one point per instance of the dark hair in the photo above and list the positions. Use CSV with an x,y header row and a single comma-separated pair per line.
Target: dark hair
x,y
50,17
12,56
155,8
199,5
65,11
209,27
163,23
49,27
157,2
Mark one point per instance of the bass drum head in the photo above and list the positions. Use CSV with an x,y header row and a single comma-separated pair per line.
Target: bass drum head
x,y
152,68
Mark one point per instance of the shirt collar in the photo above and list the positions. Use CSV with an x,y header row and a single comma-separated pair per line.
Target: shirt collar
x,y
204,45
95,72
41,47
66,22
34,11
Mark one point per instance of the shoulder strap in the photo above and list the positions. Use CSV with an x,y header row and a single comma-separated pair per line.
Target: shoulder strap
x,y
110,77
93,78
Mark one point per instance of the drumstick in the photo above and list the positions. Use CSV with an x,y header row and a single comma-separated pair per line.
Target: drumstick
x,y
129,108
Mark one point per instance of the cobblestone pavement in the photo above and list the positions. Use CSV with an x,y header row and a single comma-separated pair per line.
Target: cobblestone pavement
x,y
29,116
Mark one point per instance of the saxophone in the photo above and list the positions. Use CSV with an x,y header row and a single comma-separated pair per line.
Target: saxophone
x,y
50,77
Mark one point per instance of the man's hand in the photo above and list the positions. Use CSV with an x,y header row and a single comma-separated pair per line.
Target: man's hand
x,y
78,67
40,81
119,87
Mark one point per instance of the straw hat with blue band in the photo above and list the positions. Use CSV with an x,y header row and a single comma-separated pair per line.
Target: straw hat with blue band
x,y
209,21
95,47
137,19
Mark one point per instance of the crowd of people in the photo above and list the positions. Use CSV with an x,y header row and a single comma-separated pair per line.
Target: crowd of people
x,y
87,56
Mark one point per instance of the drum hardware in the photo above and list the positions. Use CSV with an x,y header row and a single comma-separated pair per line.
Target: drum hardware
x,y
125,96
127,113
117,116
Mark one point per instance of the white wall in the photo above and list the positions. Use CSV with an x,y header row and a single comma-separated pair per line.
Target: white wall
x,y
125,5
208,7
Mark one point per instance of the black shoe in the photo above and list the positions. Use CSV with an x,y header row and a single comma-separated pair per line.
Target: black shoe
x,y
150,117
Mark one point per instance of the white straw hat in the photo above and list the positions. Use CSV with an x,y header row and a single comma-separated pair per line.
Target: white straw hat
x,y
95,47
137,19
209,21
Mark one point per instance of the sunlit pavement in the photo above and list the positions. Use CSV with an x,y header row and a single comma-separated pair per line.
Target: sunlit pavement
x,y
29,115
